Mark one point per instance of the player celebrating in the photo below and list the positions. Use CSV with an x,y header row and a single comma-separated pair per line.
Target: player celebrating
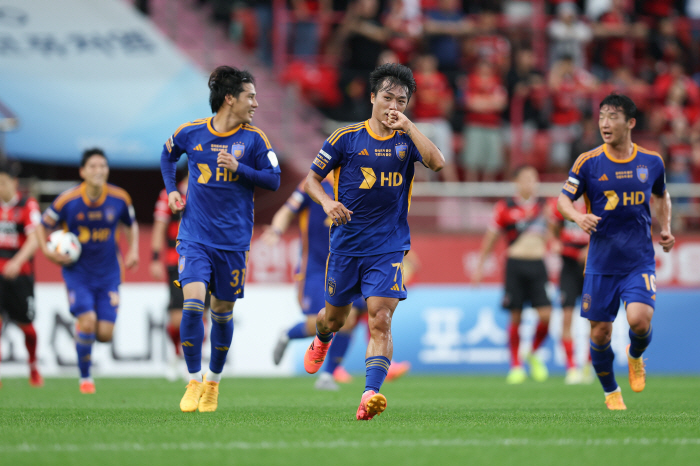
x,y
314,224
227,158
522,219
20,214
92,211
617,180
373,165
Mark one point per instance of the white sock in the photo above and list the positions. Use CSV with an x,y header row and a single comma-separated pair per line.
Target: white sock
x,y
614,391
196,376
213,376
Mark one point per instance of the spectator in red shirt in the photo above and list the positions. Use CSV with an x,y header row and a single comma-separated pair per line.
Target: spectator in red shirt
x,y
487,44
484,98
616,32
432,106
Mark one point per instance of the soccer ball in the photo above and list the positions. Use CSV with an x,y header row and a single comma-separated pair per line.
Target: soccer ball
x,y
65,242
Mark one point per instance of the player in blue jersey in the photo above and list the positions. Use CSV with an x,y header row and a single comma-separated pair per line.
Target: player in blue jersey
x,y
92,211
314,224
227,158
373,166
617,181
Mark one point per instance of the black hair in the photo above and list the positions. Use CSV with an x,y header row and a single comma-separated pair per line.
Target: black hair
x,y
520,168
89,153
10,167
390,75
226,80
621,102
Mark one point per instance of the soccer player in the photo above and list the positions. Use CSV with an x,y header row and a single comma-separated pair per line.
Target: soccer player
x,y
20,214
92,211
227,158
373,166
617,181
314,224
573,247
522,219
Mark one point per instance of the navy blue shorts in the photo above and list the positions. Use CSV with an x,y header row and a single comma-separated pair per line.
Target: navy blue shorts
x,y
349,278
221,271
103,300
602,293
313,299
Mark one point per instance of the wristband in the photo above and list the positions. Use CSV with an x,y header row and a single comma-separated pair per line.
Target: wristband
x,y
155,256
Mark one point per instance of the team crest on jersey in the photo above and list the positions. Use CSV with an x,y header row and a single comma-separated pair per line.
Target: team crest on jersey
x,y
331,286
181,264
80,217
642,173
401,150
111,214
586,303
237,150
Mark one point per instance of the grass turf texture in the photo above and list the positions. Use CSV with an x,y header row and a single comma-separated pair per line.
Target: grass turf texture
x,y
429,420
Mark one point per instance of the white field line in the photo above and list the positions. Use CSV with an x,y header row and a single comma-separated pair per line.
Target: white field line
x,y
426,443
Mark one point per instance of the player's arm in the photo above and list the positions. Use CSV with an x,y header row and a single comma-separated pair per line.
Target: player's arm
x,y
662,210
168,168
335,210
131,260
432,157
266,173
53,256
280,222
587,222
25,253
157,243
487,245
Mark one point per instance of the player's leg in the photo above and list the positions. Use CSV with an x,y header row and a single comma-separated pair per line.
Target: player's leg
x,y
516,373
573,374
513,300
172,328
639,294
328,321
336,353
84,341
536,293
20,309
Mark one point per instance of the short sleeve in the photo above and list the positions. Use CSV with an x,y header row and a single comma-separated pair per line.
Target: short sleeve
x,y
55,214
161,213
32,216
128,215
575,185
659,186
498,220
415,153
175,146
329,157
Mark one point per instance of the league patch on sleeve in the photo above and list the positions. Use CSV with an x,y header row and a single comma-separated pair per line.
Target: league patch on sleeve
x,y
169,144
319,162
570,187
273,158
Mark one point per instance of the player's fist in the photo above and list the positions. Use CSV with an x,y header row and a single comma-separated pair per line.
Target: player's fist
x,y
667,240
156,270
175,202
58,258
270,235
337,212
588,222
11,269
227,161
396,120
132,259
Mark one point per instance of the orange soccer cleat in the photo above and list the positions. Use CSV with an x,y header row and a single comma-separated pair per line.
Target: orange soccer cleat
x,y
372,404
397,369
87,387
340,375
638,375
614,401
315,355
35,379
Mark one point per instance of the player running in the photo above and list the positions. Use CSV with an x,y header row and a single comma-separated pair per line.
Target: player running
x,y
522,219
227,158
20,215
373,166
617,181
92,211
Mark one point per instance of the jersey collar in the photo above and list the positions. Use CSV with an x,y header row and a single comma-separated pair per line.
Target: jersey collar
x,y
221,135
375,136
11,203
89,202
629,159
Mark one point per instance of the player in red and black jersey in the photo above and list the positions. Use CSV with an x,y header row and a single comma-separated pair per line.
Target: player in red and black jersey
x,y
573,247
19,215
522,219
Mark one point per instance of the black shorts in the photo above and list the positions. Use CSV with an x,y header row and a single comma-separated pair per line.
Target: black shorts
x,y
570,281
17,299
177,299
526,281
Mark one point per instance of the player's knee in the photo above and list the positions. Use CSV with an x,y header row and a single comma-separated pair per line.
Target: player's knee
x,y
380,322
87,323
601,334
335,322
104,335
639,324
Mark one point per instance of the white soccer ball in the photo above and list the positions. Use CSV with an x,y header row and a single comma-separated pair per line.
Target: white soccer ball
x,y
65,242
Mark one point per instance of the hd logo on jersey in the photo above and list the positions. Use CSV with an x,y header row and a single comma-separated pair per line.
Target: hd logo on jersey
x,y
632,198
612,200
401,151
642,173
386,178
370,178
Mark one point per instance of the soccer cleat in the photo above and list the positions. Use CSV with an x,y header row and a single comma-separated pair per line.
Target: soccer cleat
x,y
588,374
87,387
340,375
538,370
190,400
210,397
397,369
281,345
372,404
573,376
638,375
516,375
35,379
325,382
614,401
315,354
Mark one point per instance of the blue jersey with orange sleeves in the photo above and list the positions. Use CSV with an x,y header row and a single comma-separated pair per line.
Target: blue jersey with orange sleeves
x,y
618,191
94,222
373,177
219,208
314,224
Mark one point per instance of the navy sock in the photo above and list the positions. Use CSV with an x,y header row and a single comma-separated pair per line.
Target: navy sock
x,y
324,337
83,345
337,351
192,334
602,357
376,369
298,331
221,337
639,343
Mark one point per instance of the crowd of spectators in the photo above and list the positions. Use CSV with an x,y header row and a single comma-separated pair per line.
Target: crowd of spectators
x,y
501,82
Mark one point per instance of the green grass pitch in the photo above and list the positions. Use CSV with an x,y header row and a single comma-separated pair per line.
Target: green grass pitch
x,y
430,420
